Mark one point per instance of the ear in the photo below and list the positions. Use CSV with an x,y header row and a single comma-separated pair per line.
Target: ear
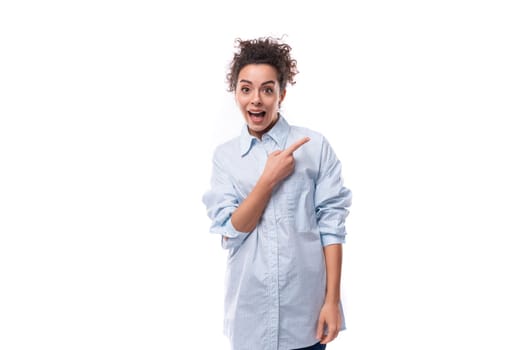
x,y
281,98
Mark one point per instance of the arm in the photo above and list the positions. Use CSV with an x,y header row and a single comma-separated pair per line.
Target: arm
x,y
279,165
333,255
231,218
249,212
332,200
330,314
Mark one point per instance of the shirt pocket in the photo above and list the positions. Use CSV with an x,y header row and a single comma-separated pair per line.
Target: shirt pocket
x,y
300,211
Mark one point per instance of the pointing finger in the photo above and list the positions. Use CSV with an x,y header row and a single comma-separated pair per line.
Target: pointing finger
x,y
296,145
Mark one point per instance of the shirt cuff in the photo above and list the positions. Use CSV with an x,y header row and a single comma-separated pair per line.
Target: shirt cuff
x,y
235,238
328,239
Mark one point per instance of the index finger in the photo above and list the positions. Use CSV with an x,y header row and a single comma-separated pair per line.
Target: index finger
x,y
296,145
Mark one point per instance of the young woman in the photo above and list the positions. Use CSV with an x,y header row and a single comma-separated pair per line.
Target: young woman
x,y
278,201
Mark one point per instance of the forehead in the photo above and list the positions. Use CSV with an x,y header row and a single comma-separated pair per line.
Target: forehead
x,y
258,73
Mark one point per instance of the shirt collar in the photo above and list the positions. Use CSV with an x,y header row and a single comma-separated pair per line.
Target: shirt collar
x,y
279,133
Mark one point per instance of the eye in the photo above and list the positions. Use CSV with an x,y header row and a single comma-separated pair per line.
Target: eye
x,y
245,89
268,90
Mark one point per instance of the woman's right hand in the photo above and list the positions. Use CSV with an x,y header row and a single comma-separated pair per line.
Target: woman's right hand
x,y
280,164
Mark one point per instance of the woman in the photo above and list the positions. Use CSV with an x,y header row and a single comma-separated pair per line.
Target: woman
x,y
278,201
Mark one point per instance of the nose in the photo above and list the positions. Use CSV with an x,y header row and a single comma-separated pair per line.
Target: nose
x,y
256,99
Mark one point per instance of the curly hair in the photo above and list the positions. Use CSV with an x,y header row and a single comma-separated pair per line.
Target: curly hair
x,y
267,50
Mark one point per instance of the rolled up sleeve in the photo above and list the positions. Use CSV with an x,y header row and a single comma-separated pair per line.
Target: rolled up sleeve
x,y
221,201
332,198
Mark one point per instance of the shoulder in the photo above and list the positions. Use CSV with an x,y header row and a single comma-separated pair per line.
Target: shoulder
x,y
318,147
317,139
227,148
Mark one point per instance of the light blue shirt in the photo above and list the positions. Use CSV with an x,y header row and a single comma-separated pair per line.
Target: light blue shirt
x,y
276,274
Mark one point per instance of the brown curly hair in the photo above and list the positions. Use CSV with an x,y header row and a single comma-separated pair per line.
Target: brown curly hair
x,y
267,50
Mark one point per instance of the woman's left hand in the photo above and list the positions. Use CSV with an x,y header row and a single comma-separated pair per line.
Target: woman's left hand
x,y
330,319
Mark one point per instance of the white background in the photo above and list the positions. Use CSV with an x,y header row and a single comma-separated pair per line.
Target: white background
x,y
110,111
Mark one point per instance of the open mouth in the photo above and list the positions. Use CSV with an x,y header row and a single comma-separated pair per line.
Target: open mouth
x,y
257,116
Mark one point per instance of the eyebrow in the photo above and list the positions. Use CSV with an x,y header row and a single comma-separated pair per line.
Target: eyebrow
x,y
249,82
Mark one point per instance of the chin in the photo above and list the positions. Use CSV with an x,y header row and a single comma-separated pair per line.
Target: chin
x,y
257,128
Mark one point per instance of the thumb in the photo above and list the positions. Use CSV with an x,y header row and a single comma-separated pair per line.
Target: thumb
x,y
276,153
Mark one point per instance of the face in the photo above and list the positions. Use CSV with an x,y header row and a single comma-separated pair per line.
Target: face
x,y
258,96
